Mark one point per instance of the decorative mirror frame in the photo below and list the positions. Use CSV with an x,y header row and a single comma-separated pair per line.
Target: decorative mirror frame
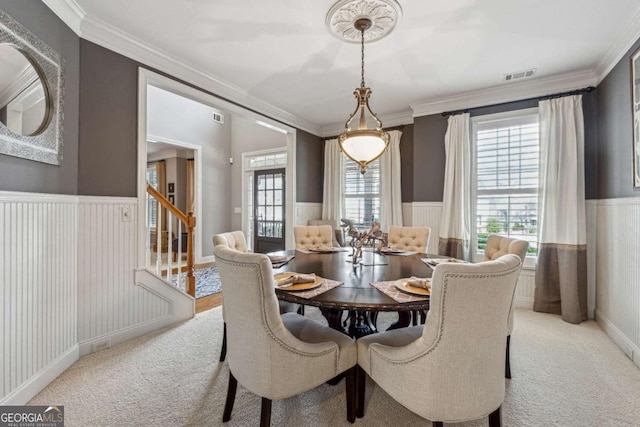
x,y
46,146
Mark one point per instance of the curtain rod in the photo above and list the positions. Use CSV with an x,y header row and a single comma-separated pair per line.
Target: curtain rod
x,y
536,98
400,127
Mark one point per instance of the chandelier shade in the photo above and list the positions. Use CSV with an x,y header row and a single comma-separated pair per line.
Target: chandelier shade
x,y
363,144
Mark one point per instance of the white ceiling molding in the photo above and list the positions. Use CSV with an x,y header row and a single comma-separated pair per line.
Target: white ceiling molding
x,y
120,42
621,44
506,93
388,120
69,11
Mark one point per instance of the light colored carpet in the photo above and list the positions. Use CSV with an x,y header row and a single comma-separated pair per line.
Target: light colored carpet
x,y
563,375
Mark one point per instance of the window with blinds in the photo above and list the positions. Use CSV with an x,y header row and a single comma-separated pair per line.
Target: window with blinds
x,y
152,179
362,194
507,170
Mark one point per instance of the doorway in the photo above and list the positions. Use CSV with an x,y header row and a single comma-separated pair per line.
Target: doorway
x,y
269,215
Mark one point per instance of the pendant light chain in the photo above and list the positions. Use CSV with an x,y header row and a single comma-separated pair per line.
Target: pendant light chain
x,y
362,58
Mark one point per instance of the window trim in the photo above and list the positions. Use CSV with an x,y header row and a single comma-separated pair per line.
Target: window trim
x,y
368,195
530,259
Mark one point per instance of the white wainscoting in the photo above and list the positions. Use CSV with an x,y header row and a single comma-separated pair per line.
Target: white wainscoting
x,y
617,271
427,214
68,281
306,211
38,251
112,308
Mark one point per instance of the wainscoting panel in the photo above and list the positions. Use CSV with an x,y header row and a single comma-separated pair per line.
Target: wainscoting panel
x,y
306,211
428,214
618,272
38,287
108,298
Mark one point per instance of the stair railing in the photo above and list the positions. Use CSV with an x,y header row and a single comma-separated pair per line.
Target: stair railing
x,y
165,207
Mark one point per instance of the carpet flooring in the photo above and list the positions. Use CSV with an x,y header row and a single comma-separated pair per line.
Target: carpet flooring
x,y
207,281
563,375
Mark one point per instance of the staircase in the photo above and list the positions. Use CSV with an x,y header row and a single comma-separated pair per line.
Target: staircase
x,y
164,251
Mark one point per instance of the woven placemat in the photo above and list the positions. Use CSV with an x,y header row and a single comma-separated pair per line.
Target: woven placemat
x,y
389,288
327,285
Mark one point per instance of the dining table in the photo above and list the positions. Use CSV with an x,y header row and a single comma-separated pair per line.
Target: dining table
x,y
353,306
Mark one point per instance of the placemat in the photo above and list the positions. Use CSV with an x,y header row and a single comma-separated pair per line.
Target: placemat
x,y
405,253
278,264
326,286
389,288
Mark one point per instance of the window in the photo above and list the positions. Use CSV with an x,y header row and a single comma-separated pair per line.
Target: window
x,y
152,179
362,194
506,176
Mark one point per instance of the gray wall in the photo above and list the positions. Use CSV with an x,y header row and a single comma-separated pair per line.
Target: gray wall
x,y
615,132
18,174
108,123
309,167
406,161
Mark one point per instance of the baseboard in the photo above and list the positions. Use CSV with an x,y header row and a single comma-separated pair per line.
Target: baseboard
x,y
524,302
39,381
206,259
621,340
129,333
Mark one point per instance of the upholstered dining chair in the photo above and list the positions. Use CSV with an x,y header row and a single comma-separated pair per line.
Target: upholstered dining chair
x,y
451,368
496,247
312,236
235,240
409,238
338,239
271,355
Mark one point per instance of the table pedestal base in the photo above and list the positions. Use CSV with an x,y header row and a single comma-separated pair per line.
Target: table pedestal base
x,y
361,323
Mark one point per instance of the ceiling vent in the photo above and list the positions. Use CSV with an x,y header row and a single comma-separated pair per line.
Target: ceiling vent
x,y
519,75
218,118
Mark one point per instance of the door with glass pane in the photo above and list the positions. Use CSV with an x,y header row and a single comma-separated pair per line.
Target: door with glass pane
x,y
268,218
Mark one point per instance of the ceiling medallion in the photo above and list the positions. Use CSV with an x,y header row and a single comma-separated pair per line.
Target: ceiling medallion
x,y
384,15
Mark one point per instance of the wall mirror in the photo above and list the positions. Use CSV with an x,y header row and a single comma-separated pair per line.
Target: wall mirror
x,y
31,95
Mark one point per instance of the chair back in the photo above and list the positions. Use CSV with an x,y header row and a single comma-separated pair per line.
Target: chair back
x,y
312,236
500,245
260,350
338,239
233,239
455,370
409,238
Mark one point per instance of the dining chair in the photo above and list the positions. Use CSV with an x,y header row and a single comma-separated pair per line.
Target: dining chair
x,y
276,356
312,236
496,247
451,368
235,240
414,239
337,238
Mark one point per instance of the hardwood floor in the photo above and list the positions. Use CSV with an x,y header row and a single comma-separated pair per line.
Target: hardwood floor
x,y
208,302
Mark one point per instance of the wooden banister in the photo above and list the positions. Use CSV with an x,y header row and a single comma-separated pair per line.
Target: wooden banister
x,y
190,223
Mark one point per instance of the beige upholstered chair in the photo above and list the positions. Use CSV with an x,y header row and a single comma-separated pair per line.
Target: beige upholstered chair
x,y
235,240
451,368
312,236
337,234
496,247
409,238
275,356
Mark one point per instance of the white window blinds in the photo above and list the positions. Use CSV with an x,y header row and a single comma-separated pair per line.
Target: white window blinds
x,y
507,170
362,194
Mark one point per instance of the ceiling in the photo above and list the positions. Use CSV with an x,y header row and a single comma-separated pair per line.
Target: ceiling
x,y
277,56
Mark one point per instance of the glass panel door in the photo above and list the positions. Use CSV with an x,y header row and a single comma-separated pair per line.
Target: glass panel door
x,y
269,210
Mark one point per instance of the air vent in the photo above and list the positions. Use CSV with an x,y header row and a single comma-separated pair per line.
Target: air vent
x,y
519,75
218,118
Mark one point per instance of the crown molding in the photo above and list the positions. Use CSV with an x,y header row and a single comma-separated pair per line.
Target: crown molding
x,y
627,36
112,38
388,120
507,93
69,11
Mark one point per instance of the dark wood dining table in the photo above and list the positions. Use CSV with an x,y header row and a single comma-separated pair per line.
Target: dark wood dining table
x,y
356,296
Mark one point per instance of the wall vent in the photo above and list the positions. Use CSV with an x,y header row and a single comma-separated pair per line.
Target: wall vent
x,y
519,75
218,118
